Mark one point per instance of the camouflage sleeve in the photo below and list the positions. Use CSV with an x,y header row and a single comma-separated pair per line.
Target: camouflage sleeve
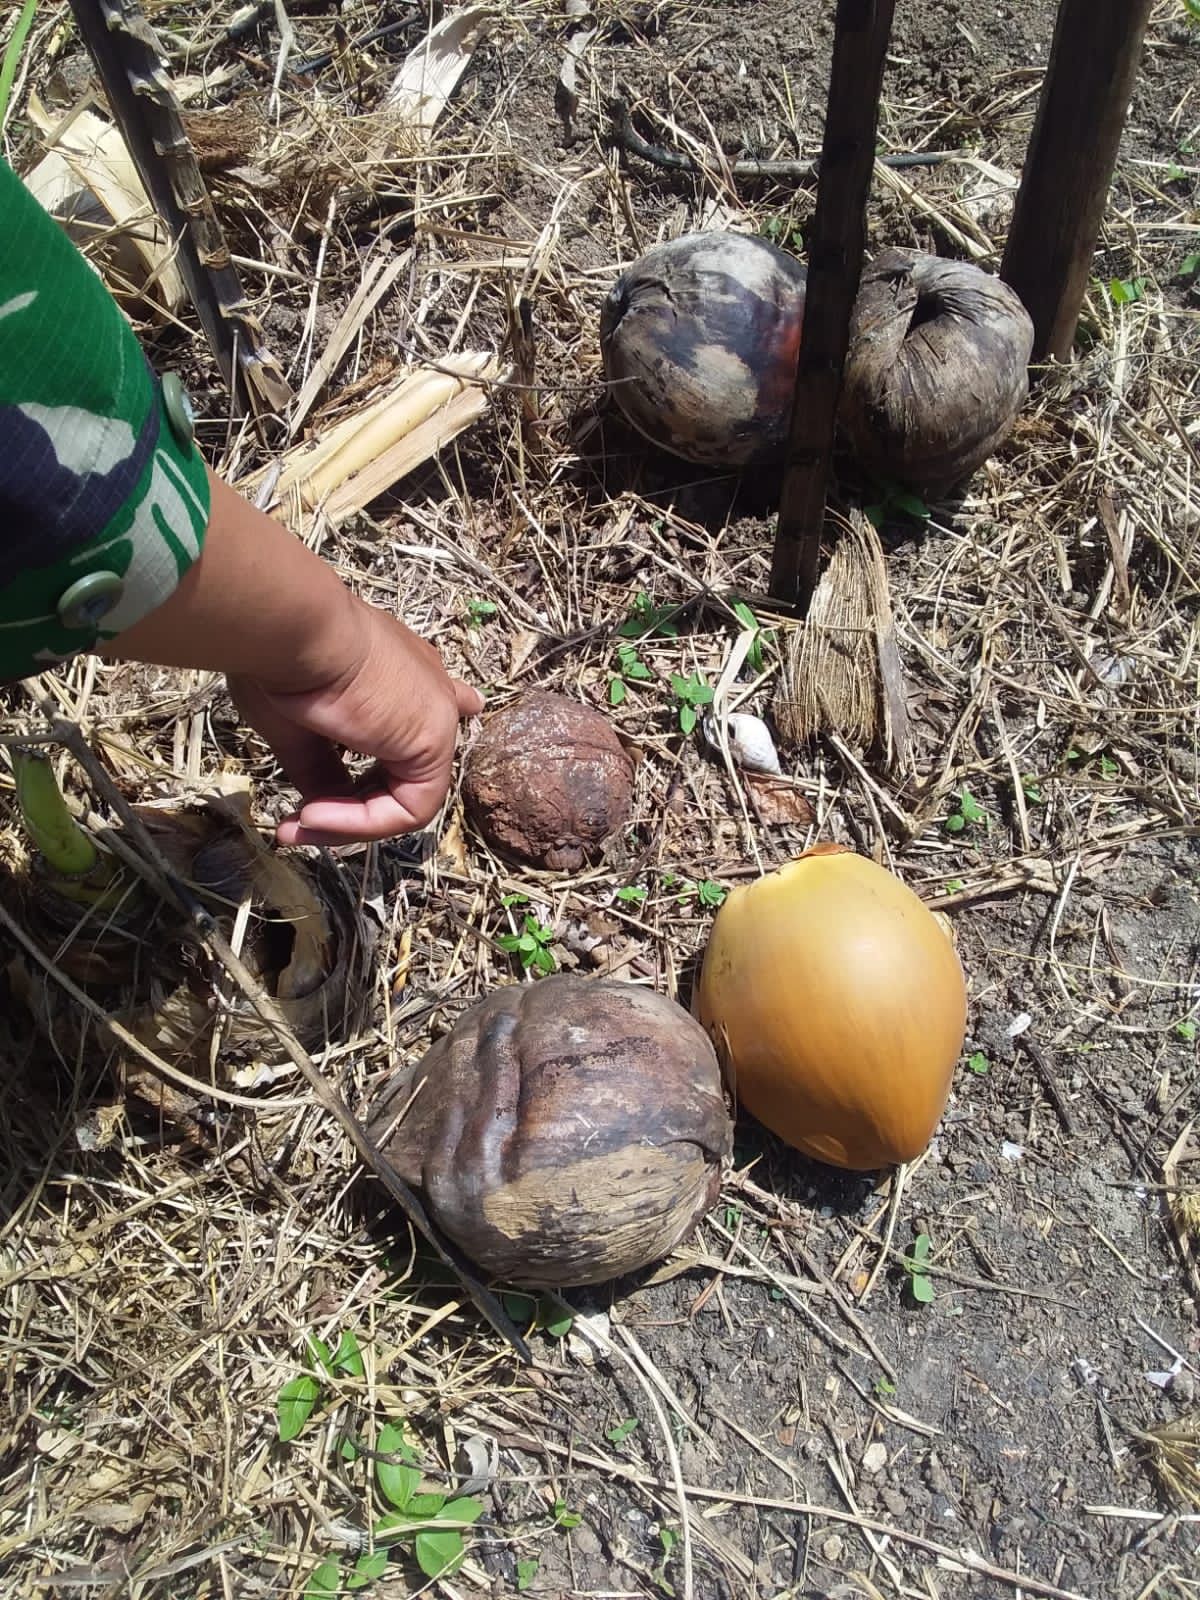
x,y
103,495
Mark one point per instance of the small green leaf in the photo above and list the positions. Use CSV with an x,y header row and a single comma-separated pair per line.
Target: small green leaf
x,y
979,1064
514,900
465,1509
325,1580
368,1567
543,959
710,893
1186,1030
922,1245
687,718
426,1505
955,823
632,894
398,1480
1189,267
616,691
318,1353
439,1551
637,669
912,505
563,1518
668,1538
347,1358
348,1450
621,1432
294,1405
1108,767
520,1307
526,1572
952,885
971,809
884,1387
679,685
557,1324
922,1288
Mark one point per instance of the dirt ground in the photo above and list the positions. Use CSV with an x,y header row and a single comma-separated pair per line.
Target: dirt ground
x,y
771,1413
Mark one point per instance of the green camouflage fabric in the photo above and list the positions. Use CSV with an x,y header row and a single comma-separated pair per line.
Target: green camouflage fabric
x,y
93,477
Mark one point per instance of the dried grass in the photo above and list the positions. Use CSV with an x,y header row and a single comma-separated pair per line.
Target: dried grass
x,y
155,1297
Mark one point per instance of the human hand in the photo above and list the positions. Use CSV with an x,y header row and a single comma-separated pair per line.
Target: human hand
x,y
391,699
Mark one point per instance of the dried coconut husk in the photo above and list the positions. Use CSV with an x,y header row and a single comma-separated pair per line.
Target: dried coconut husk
x,y
842,672
937,369
303,939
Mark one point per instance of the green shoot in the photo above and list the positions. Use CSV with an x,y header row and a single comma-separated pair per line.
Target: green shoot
x,y
1126,291
478,611
564,1517
543,1314
621,1432
1186,1030
754,656
531,946
632,894
630,668
645,619
920,1284
691,695
895,500
969,813
527,1568
12,57
979,1064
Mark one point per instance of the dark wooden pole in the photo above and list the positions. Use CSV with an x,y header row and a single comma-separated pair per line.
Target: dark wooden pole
x,y
835,255
1069,164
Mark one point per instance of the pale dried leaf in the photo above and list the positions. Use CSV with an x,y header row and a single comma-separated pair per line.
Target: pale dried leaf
x,y
431,74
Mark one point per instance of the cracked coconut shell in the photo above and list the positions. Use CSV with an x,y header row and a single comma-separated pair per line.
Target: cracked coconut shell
x,y
563,1132
936,371
699,339
549,781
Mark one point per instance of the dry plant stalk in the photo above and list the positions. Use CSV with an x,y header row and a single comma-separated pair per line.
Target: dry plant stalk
x,y
146,108
88,180
364,454
842,673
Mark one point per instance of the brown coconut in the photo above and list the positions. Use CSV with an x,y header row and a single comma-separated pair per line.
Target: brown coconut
x,y
563,1132
699,339
936,371
549,781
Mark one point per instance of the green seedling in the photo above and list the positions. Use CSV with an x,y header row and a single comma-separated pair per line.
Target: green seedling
x,y
783,231
710,893
1126,291
646,619
478,611
916,1265
979,1064
564,1517
434,1522
621,1432
953,885
541,1314
1189,267
895,500
299,1396
691,696
12,56
630,668
754,656
1185,1030
884,1388
1032,789
968,813
1192,10
531,946
668,1538
527,1569
732,1216
632,894
514,900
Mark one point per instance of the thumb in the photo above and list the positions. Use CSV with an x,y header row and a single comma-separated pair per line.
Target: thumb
x,y
470,701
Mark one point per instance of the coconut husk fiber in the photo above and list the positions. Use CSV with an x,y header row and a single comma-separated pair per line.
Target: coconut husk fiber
x,y
937,369
842,670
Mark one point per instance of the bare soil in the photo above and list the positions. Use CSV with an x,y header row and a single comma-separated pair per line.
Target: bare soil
x,y
774,1391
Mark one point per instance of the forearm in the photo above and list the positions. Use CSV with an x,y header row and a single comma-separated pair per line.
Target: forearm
x,y
257,603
